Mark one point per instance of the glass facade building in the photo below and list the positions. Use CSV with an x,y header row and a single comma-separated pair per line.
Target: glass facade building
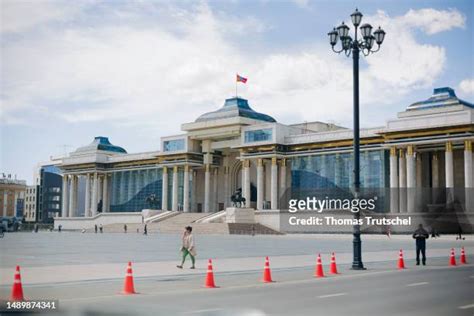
x,y
258,135
173,145
131,188
331,176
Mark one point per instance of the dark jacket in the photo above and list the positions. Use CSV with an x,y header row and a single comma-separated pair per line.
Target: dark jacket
x,y
420,235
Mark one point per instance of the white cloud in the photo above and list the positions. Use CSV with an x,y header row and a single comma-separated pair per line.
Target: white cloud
x,y
131,67
433,21
467,86
402,62
21,15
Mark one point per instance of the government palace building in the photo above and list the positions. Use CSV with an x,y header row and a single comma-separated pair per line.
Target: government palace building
x,y
423,158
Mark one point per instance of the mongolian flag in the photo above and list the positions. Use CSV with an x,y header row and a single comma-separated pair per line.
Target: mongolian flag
x,y
241,79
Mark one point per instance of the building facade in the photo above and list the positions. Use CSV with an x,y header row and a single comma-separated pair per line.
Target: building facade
x,y
419,162
12,196
49,193
31,202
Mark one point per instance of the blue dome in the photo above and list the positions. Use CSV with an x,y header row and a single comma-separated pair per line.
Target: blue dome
x,y
235,107
101,143
441,97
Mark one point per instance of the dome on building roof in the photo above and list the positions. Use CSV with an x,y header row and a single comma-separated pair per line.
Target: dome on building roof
x,y
101,143
441,97
235,107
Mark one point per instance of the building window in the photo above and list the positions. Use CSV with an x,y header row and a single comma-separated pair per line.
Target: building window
x,y
258,135
173,145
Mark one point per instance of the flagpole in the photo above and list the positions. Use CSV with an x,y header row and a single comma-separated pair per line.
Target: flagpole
x,y
236,85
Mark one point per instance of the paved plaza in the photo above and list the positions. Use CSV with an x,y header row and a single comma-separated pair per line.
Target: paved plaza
x,y
85,273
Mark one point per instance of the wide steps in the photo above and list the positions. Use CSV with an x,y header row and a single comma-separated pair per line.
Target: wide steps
x,y
251,229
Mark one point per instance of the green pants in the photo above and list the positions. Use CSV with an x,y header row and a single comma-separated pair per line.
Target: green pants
x,y
185,254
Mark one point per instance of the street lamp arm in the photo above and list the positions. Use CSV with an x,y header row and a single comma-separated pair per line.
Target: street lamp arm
x,y
337,51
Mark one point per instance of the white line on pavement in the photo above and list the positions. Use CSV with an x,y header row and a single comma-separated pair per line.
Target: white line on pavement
x,y
466,306
332,295
416,284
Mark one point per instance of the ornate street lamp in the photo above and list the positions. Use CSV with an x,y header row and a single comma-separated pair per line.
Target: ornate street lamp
x,y
354,46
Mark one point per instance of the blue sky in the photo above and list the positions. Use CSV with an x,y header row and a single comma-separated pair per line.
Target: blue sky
x,y
134,71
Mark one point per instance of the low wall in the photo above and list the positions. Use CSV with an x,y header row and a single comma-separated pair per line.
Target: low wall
x,y
269,218
79,223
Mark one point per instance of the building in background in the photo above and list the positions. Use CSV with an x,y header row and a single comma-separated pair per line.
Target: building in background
x,y
12,195
49,192
31,203
423,158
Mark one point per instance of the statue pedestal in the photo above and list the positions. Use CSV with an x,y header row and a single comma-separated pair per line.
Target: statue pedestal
x,y
240,215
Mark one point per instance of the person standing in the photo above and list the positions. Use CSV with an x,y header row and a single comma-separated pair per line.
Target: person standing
x,y
420,235
95,228
101,229
125,228
188,247
145,230
60,227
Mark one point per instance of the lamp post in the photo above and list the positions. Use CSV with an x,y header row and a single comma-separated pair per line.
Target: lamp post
x,y
355,46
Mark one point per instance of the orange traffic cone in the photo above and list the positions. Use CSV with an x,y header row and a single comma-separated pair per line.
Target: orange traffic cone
x,y
333,267
17,288
210,276
452,258
463,256
401,262
319,273
128,287
267,275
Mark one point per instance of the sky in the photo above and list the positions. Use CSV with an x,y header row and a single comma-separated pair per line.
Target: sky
x,y
136,70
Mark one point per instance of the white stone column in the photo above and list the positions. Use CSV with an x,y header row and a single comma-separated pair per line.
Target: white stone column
x,y
394,180
274,184
411,179
207,188
246,183
193,204
164,190
65,202
449,169
87,202
282,178
72,193
226,187
449,165
99,192
94,195
215,189
402,181
105,194
186,189
468,176
260,189
174,193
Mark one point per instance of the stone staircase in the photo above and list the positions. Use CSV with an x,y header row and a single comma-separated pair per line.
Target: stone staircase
x,y
176,224
251,229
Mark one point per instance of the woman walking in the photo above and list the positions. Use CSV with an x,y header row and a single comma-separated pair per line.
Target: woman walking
x,y
188,247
